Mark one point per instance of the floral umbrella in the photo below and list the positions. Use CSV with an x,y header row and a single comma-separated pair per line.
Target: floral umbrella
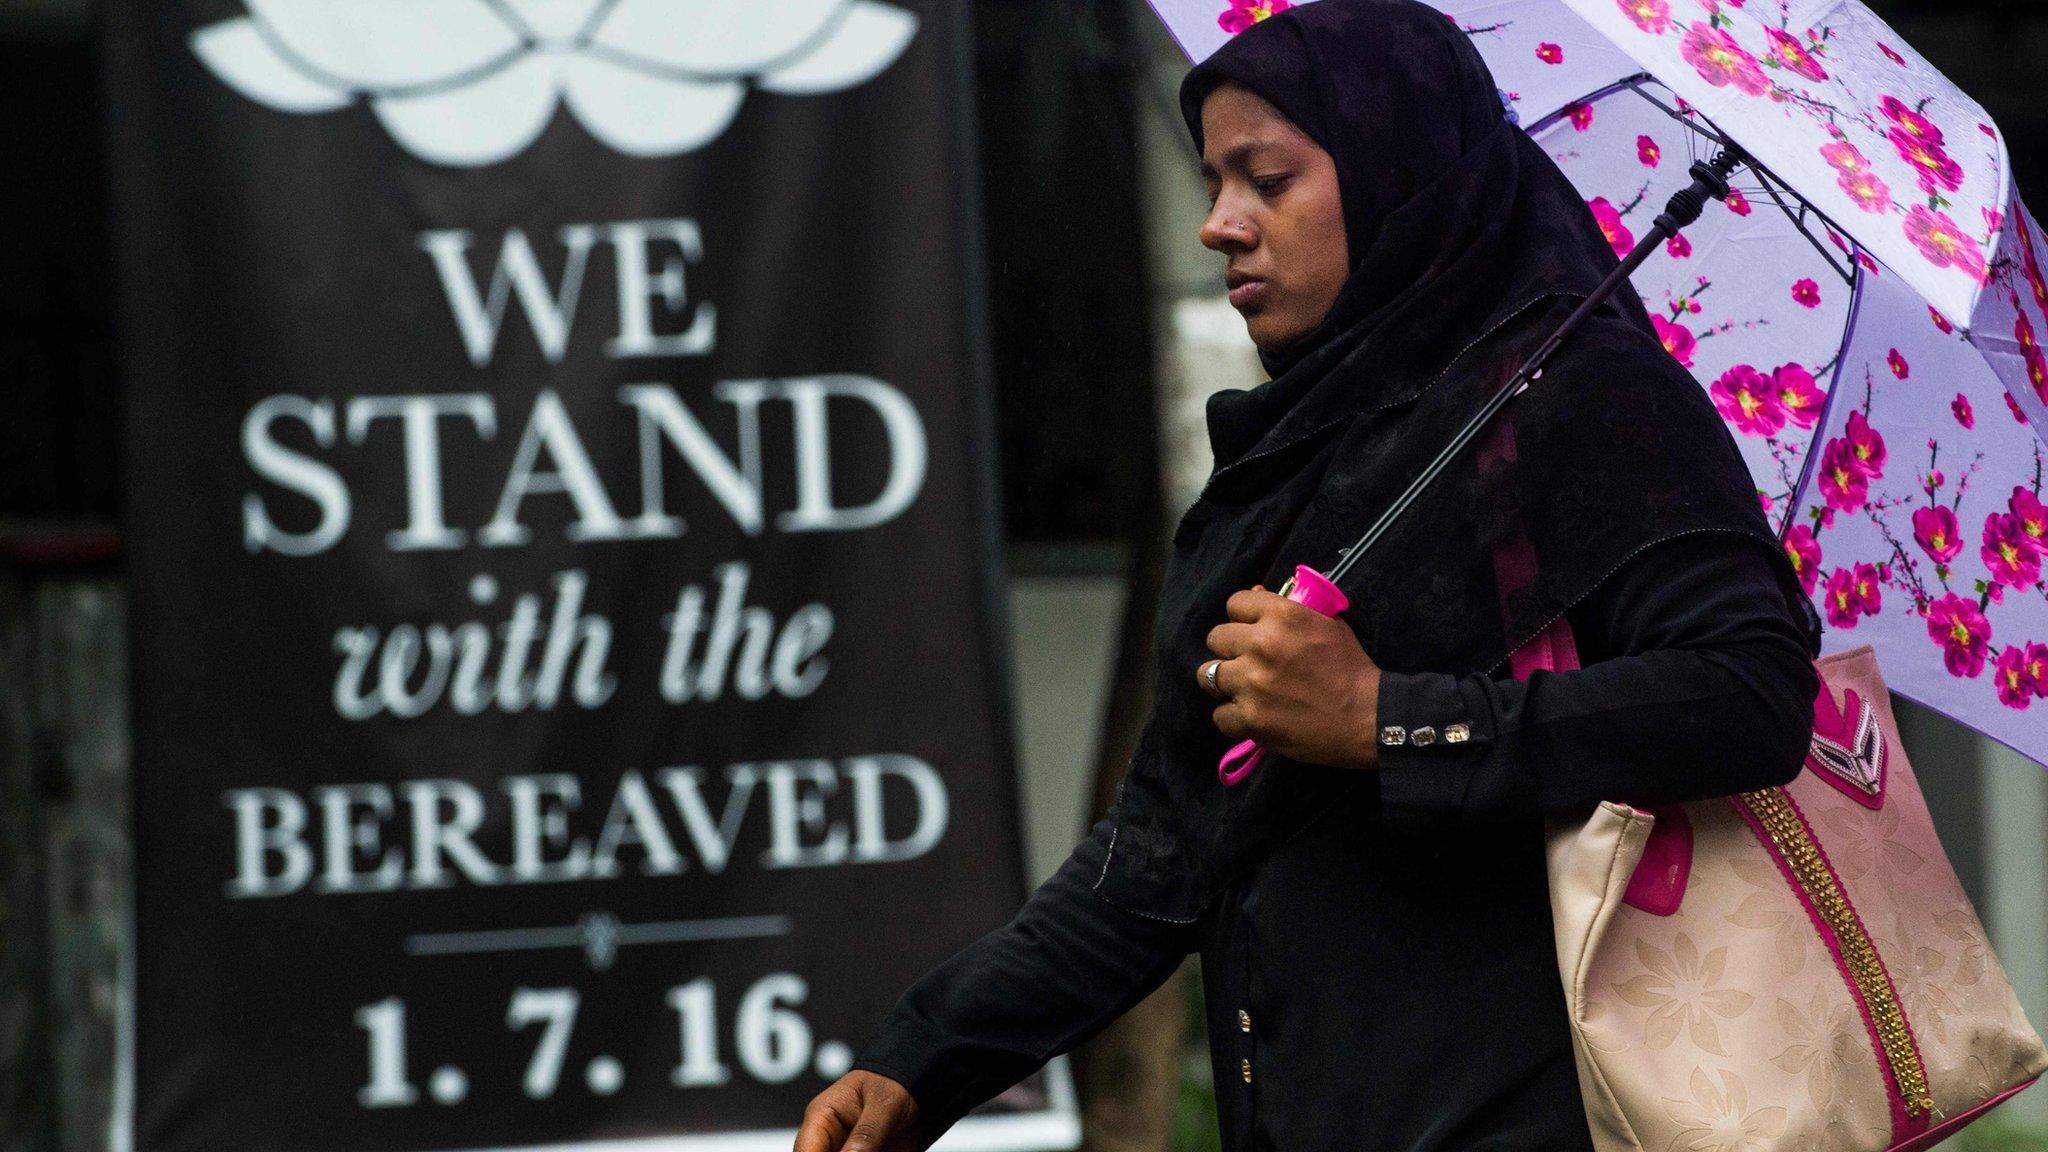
x,y
1866,311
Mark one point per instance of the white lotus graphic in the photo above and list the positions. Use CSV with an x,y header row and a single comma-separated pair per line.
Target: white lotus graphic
x,y
472,82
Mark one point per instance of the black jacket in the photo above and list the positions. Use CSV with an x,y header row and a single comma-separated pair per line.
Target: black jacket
x,y
1385,980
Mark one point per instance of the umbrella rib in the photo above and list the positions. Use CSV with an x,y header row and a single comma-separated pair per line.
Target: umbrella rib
x,y
1799,221
1698,123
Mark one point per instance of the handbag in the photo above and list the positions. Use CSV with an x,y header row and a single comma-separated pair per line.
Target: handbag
x,y
1794,968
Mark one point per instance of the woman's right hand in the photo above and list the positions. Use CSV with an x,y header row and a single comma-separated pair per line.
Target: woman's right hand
x,y
860,1112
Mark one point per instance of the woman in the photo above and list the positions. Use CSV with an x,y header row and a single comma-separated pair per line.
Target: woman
x,y
1370,906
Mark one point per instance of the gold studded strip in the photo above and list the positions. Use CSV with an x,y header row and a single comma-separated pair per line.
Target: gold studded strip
x,y
1774,812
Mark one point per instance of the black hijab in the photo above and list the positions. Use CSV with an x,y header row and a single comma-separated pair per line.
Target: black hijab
x,y
1468,247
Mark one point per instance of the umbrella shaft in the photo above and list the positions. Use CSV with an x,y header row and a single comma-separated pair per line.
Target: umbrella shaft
x,y
1710,182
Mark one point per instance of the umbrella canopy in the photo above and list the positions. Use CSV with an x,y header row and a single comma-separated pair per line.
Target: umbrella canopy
x,y
1866,312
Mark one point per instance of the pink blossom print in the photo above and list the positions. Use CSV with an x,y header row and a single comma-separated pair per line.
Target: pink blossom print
x,y
1940,321
1866,190
2011,556
1960,406
1788,52
2037,667
2013,406
1867,588
1963,633
1720,61
1840,599
1678,246
1648,152
1677,339
1843,482
1803,549
2035,360
1843,156
1746,399
1897,363
1737,202
1242,14
1866,445
2031,514
1798,393
2016,686
1549,53
1806,293
1652,16
1911,122
1853,593
1608,217
1937,533
1937,170
2035,282
1943,242
1891,54
1580,114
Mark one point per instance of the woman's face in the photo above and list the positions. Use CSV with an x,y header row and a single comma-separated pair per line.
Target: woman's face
x,y
1276,214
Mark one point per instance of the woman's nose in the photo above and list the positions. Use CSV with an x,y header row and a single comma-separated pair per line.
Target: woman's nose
x,y
1225,229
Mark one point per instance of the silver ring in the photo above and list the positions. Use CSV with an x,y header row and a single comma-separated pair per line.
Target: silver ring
x,y
1209,674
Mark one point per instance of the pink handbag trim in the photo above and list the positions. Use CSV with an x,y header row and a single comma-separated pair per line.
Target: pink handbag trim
x,y
1949,1127
1658,883
1904,1125
1657,886
1554,649
1848,749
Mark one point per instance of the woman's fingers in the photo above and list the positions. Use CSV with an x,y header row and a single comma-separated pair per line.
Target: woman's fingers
x,y
861,1112
1230,721
880,1128
1246,607
1203,673
1231,640
825,1126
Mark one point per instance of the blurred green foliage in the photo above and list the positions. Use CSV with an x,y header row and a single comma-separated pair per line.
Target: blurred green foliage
x,y
1996,1133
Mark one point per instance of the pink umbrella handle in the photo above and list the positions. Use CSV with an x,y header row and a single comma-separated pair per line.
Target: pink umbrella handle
x,y
1308,587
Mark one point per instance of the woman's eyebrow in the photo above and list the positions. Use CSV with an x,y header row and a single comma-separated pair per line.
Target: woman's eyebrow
x,y
1238,155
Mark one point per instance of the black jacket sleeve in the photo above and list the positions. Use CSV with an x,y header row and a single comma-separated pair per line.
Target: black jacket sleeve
x,y
1068,965
1696,682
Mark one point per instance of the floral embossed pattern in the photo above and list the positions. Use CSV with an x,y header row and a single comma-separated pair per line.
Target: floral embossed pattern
x,y
1825,1037
1717,1117
1683,990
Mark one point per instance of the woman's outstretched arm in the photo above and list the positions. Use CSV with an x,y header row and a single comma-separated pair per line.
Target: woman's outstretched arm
x,y
1061,971
1698,683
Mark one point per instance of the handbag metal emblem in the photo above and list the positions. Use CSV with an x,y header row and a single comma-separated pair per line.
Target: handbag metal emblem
x,y
1848,747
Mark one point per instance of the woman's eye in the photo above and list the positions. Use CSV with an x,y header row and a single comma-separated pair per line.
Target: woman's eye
x,y
1270,185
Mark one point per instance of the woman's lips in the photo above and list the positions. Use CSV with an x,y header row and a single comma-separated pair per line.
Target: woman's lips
x,y
1243,295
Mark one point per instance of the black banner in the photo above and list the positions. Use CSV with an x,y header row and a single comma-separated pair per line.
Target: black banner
x,y
565,710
